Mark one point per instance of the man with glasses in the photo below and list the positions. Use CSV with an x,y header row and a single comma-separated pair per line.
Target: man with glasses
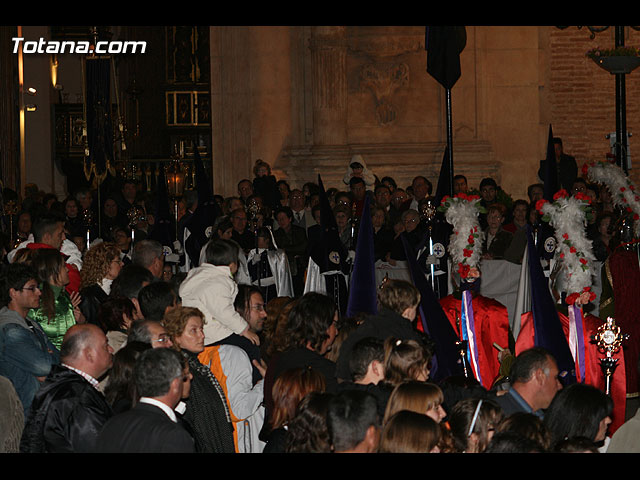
x,y
151,332
249,303
26,353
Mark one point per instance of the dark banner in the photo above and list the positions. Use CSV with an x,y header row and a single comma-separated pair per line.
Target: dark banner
x,y
98,117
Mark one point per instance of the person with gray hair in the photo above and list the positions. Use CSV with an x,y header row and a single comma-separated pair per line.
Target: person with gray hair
x,y
152,426
151,332
150,255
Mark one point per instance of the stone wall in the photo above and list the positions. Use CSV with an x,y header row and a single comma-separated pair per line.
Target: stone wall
x,y
306,99
318,95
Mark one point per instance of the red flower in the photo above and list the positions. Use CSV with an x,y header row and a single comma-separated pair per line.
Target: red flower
x,y
635,216
562,255
622,189
583,261
592,296
471,239
444,199
565,236
466,252
632,187
560,194
463,270
583,197
573,250
539,204
572,298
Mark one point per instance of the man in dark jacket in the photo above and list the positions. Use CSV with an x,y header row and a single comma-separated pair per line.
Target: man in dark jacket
x,y
398,302
152,426
68,411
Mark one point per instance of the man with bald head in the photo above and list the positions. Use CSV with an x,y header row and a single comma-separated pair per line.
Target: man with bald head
x,y
68,411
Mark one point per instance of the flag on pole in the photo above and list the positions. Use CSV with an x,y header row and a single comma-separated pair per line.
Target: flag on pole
x,y
551,178
548,332
162,231
445,181
444,45
205,214
362,288
446,359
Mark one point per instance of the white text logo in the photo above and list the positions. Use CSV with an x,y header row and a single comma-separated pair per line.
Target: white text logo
x,y
82,47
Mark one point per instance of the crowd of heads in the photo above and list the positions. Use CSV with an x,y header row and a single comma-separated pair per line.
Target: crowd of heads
x,y
419,415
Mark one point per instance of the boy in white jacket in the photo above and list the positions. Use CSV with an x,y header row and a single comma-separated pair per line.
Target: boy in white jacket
x,y
212,289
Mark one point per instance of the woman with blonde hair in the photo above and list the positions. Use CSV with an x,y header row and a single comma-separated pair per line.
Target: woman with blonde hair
x,y
410,432
208,413
100,267
420,397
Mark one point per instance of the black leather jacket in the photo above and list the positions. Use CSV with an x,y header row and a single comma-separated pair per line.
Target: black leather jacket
x,y
66,415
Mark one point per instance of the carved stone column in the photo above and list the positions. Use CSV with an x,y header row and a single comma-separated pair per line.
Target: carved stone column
x,y
329,60
230,106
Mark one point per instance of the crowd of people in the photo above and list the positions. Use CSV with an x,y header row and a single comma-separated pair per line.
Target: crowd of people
x,y
112,343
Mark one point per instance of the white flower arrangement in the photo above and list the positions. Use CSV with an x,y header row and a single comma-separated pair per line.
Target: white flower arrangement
x,y
568,215
465,244
622,189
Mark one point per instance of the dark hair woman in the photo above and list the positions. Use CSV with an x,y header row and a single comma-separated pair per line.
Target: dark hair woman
x,y
120,389
289,389
311,330
308,432
58,311
579,410
115,317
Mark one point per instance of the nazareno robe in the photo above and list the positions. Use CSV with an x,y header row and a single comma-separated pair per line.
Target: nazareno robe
x,y
491,321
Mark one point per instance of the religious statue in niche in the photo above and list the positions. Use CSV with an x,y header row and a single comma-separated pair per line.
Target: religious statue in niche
x,y
383,81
